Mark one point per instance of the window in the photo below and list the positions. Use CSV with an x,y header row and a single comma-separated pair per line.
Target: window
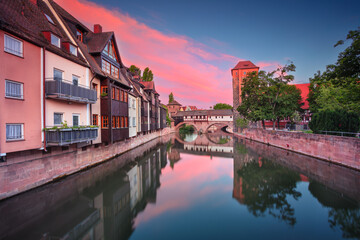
x,y
113,123
58,75
126,97
134,119
95,120
114,71
73,50
113,93
126,122
49,18
76,119
14,89
75,80
95,87
104,121
55,40
133,103
14,132
104,90
118,94
58,118
117,122
109,50
105,65
122,122
244,73
79,35
13,46
122,95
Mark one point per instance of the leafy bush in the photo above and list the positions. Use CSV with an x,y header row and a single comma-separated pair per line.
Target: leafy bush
x,y
339,121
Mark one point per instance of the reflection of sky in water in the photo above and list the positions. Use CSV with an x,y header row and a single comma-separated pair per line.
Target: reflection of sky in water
x,y
190,137
196,201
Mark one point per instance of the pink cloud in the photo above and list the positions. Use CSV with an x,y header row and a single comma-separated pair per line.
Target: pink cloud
x,y
189,69
189,182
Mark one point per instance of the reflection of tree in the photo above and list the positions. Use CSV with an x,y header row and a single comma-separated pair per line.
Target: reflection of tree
x,y
266,187
348,220
343,212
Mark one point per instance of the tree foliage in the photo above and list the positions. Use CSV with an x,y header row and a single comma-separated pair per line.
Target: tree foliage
x,y
339,86
147,75
335,120
135,69
222,106
171,97
268,96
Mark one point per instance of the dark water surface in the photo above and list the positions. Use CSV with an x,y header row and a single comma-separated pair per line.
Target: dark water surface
x,y
204,187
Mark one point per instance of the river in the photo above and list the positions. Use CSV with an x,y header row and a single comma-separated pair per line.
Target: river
x,y
211,186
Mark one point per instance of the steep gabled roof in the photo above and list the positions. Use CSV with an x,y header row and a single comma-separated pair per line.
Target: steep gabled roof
x,y
245,65
174,102
148,85
26,20
96,42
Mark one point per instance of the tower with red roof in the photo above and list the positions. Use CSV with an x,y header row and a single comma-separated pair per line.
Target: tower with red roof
x,y
238,73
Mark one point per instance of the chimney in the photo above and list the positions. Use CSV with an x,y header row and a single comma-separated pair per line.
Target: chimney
x,y
97,27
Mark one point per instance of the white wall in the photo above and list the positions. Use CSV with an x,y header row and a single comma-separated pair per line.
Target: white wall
x,y
132,116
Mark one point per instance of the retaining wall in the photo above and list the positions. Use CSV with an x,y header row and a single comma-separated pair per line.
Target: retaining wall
x,y
26,170
340,150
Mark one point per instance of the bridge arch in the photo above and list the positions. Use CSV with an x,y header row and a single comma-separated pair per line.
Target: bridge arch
x,y
186,123
221,124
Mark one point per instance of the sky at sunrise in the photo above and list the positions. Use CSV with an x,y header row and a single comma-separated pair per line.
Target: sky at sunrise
x,y
191,45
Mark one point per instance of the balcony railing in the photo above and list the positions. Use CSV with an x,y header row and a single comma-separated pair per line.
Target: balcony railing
x,y
66,90
61,137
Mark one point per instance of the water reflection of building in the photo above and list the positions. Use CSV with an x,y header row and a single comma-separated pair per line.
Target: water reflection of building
x,y
104,210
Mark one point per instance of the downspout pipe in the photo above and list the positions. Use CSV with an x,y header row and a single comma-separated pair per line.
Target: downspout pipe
x,y
44,98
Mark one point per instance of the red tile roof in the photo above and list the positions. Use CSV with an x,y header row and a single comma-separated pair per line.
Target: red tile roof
x,y
148,85
245,65
304,88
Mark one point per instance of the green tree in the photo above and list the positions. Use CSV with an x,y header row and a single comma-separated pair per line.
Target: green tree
x,y
222,106
171,97
339,86
148,75
135,69
268,96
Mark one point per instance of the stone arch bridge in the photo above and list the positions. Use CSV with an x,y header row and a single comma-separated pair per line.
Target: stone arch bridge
x,y
203,120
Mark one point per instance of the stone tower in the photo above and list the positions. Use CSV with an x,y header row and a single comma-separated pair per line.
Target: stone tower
x,y
238,73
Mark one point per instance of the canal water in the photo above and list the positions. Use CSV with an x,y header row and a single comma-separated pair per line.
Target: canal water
x,y
193,187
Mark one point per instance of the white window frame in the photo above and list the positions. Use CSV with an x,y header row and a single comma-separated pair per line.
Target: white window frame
x,y
54,37
12,51
62,74
21,90
75,115
73,49
22,132
62,118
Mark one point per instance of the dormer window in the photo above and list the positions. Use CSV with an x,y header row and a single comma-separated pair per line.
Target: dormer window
x,y
73,50
79,35
109,50
55,40
49,18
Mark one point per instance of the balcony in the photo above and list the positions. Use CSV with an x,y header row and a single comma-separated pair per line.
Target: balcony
x,y
67,91
67,136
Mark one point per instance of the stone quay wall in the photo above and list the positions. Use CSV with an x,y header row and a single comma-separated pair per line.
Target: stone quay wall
x,y
27,170
343,151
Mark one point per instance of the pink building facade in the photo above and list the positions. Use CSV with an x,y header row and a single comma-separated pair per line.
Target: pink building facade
x,y
21,95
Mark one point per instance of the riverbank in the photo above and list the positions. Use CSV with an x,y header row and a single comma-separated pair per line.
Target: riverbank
x,y
21,173
344,151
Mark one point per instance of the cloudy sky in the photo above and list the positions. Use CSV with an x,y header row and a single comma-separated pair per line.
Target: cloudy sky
x,y
192,45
